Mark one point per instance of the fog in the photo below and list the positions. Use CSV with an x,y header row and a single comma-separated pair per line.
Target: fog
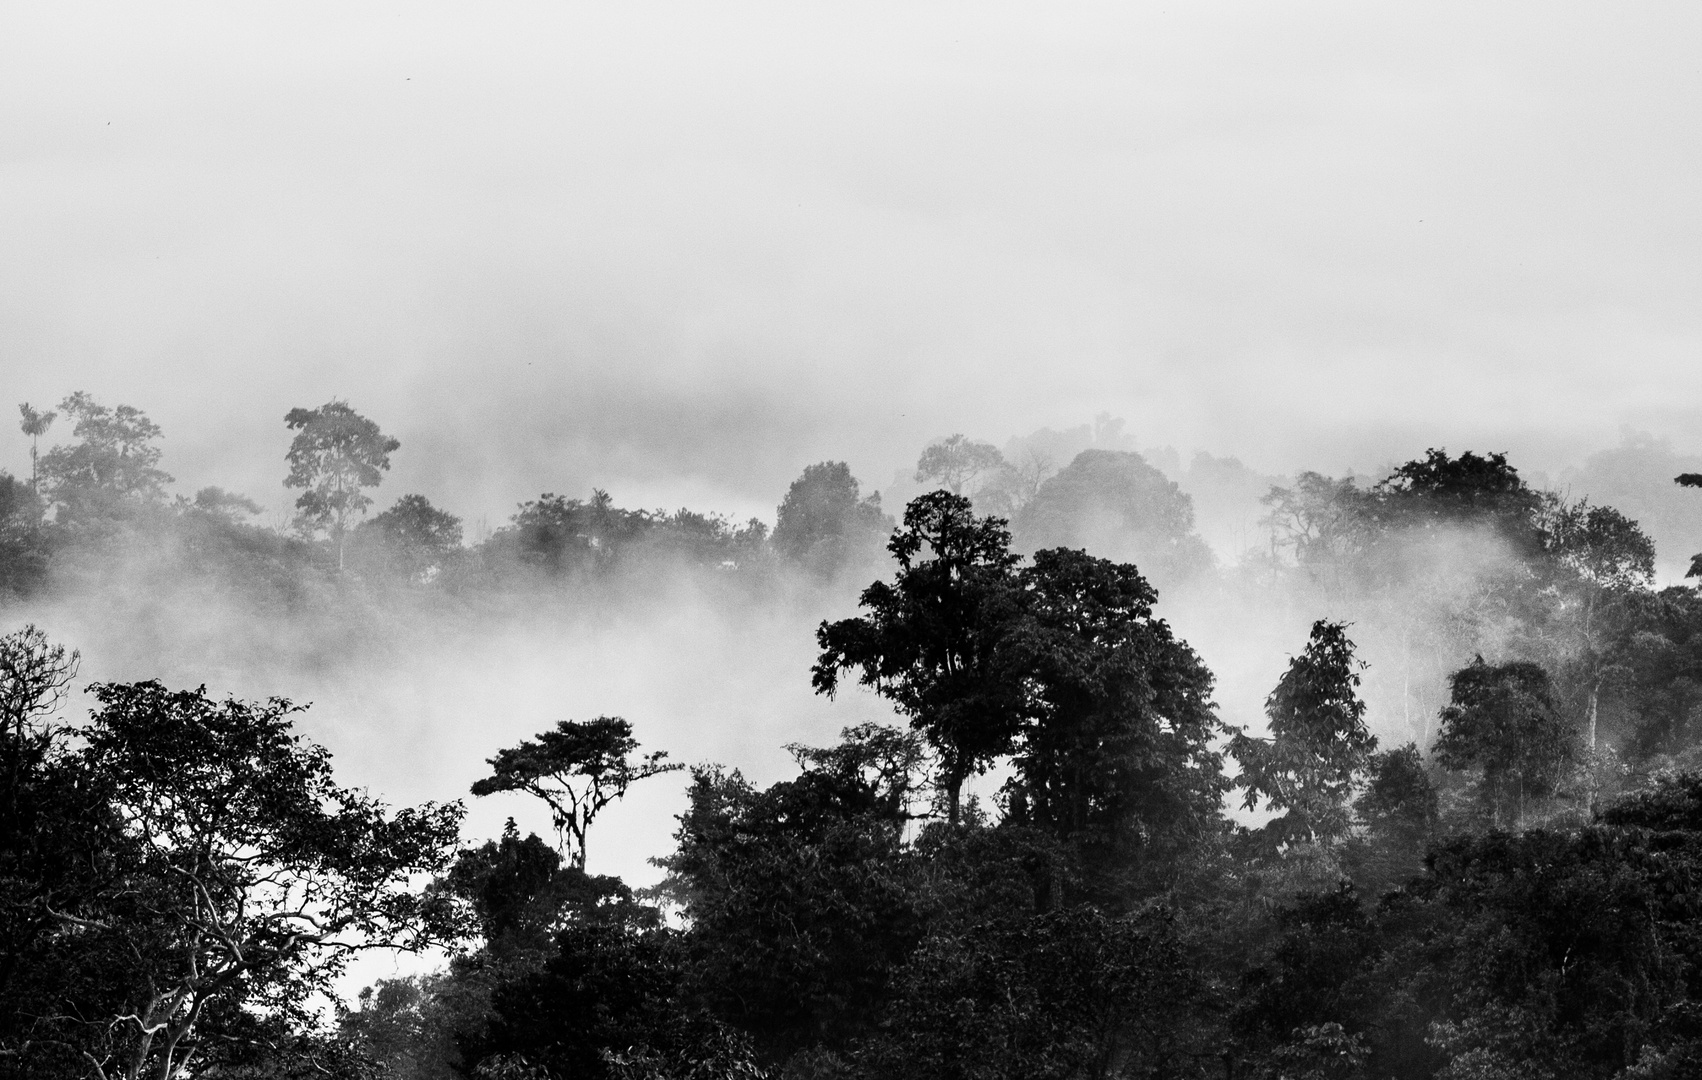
x,y
678,250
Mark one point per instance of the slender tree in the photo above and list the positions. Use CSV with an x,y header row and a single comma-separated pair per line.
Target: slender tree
x,y
1318,745
336,452
35,425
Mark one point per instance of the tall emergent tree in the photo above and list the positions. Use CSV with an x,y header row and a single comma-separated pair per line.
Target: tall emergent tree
x,y
929,642
1318,743
336,453
35,425
577,768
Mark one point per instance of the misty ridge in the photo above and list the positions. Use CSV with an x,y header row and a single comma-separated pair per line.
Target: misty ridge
x,y
1143,767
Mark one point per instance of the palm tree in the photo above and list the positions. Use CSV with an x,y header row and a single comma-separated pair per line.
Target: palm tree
x,y
35,425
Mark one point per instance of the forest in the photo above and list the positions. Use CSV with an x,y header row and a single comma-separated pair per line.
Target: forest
x,y
1464,840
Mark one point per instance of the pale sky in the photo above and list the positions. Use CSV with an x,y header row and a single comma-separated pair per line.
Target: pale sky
x,y
681,250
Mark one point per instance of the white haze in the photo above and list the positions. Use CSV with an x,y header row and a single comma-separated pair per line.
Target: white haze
x,y
680,250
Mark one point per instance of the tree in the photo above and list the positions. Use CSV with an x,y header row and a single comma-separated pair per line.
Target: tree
x,y
577,768
1116,751
245,877
825,522
800,896
1399,798
1320,519
336,452
227,506
1319,742
929,642
1694,480
35,675
112,470
1470,486
417,535
954,462
1606,564
1502,724
35,425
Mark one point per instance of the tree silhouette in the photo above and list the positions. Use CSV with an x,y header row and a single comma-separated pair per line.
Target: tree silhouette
x,y
577,768
1319,741
929,643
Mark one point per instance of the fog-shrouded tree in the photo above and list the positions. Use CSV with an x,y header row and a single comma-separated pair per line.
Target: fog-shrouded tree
x,y
1015,483
1603,565
1399,812
929,640
416,535
1502,726
112,468
228,506
1318,746
955,462
825,521
1116,505
34,424
336,453
577,768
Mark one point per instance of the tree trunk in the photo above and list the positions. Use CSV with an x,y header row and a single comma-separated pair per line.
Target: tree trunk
x,y
1595,689
954,793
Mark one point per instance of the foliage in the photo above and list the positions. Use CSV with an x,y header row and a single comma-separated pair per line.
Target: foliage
x,y
606,1005
1070,993
799,898
412,538
179,877
257,874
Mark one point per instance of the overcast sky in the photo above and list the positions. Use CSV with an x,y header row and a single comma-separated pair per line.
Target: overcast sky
x,y
681,250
